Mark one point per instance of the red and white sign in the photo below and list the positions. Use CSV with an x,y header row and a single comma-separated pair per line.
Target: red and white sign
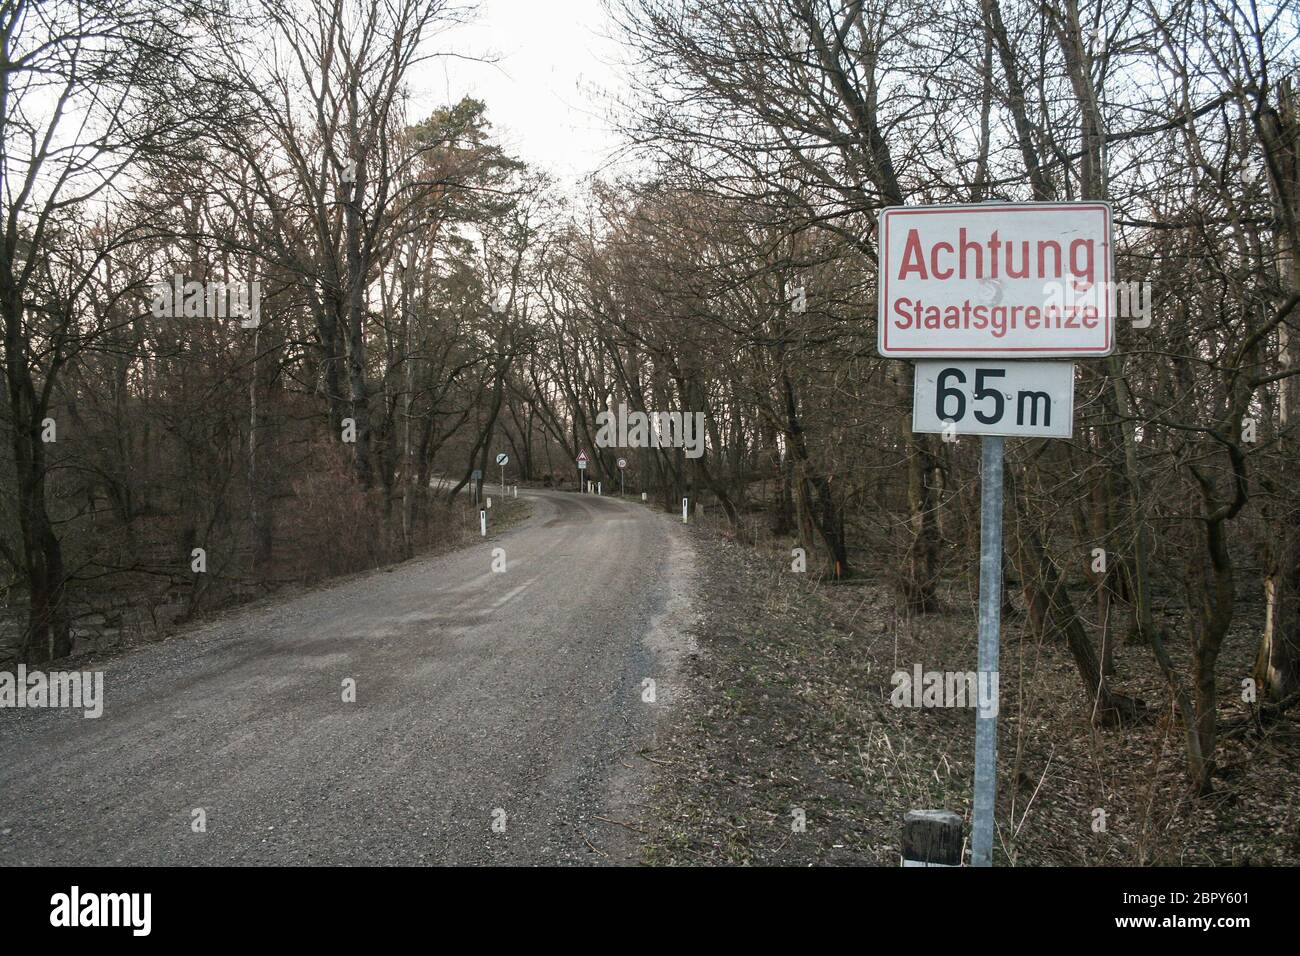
x,y
1015,280
582,458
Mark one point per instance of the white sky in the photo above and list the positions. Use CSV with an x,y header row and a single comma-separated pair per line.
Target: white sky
x,y
548,87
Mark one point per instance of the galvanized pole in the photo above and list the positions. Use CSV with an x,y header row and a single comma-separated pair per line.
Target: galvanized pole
x,y
986,728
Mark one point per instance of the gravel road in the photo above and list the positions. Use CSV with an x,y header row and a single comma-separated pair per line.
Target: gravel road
x,y
476,692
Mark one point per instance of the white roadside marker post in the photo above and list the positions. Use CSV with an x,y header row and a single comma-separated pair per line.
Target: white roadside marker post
x,y
685,509
482,523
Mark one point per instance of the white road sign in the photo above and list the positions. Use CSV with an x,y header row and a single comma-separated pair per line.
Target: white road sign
x,y
503,459
991,397
1015,280
622,463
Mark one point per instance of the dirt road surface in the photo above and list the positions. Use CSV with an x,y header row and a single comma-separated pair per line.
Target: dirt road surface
x,y
515,697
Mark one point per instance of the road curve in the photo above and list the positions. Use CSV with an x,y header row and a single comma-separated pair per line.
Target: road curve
x,y
480,697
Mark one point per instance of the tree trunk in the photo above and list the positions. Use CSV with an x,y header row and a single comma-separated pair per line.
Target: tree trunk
x,y
1277,663
917,583
48,635
823,515
1050,607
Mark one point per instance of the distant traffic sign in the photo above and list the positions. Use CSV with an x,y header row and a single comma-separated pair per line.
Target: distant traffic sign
x,y
582,460
622,463
476,474
503,459
1016,280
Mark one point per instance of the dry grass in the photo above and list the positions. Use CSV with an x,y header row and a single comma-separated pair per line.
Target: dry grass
x,y
792,711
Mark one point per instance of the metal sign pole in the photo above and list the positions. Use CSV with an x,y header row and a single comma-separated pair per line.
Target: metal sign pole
x,y
986,726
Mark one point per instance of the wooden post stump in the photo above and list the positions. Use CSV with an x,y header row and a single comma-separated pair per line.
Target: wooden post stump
x,y
932,838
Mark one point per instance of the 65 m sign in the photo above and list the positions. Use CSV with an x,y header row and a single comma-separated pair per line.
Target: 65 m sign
x,y
1023,399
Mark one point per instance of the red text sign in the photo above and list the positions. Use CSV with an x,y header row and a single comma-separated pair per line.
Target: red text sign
x,y
996,279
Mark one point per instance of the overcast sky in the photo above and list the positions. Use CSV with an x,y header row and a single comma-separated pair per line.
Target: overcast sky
x,y
546,91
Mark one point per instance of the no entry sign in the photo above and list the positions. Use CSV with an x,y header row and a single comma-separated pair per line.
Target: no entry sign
x,y
1016,280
